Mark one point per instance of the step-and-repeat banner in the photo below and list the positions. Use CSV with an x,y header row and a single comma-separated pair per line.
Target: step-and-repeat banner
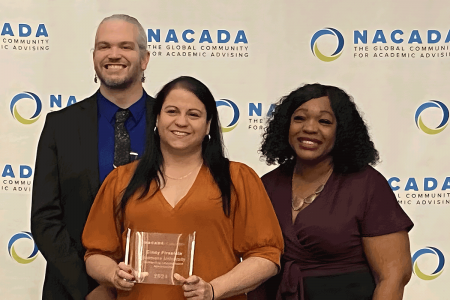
x,y
393,57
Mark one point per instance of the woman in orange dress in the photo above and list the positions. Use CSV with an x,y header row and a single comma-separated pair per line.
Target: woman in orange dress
x,y
182,184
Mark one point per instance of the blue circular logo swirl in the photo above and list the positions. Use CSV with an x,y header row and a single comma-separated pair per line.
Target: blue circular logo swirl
x,y
236,114
12,251
15,113
315,50
439,269
441,126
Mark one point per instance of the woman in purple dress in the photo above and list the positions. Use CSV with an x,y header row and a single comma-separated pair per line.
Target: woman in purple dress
x,y
346,237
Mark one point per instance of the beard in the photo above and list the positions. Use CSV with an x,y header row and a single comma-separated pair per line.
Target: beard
x,y
118,83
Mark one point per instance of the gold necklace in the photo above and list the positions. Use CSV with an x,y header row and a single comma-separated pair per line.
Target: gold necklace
x,y
183,177
298,202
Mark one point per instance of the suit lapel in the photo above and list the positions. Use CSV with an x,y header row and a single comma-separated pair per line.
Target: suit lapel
x,y
88,135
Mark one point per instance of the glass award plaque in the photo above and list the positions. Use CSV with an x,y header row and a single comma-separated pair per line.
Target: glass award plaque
x,y
156,257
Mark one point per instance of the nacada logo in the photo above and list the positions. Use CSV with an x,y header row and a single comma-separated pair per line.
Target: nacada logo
x,y
24,30
257,114
426,191
427,105
399,43
189,36
24,37
429,184
15,112
396,37
16,179
234,110
340,44
198,43
440,264
12,248
55,101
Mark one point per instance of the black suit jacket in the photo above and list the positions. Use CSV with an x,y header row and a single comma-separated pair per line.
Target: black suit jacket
x,y
66,180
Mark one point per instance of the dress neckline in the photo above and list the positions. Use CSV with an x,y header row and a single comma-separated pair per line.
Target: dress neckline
x,y
318,199
183,199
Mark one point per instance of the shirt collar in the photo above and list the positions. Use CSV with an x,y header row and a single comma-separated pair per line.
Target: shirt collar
x,y
108,109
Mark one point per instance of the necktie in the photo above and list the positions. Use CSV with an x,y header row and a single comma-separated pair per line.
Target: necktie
x,y
121,139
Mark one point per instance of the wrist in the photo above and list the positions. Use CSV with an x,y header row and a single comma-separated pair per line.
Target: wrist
x,y
112,277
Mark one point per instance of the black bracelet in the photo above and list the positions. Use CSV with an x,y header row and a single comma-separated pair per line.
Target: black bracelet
x,y
212,289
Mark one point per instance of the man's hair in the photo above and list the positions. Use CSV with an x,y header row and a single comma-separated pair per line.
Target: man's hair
x,y
142,37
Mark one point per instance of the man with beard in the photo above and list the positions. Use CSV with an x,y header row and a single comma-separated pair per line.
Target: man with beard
x,y
80,145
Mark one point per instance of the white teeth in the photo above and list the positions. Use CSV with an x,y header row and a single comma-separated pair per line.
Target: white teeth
x,y
114,67
179,133
308,142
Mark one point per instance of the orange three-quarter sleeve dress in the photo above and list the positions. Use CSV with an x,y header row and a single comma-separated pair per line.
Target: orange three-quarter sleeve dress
x,y
251,230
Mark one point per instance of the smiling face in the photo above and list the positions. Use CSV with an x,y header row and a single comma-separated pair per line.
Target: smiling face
x,y
313,130
182,123
117,59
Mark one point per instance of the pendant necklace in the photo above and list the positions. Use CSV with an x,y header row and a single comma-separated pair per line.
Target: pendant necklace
x,y
298,202
183,177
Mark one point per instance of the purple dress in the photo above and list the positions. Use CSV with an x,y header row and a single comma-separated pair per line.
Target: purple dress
x,y
326,238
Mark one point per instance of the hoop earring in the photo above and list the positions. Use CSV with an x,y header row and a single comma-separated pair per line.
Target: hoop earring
x,y
95,78
155,129
209,138
143,78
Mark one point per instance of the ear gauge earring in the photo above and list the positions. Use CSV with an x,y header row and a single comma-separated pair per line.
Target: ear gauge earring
x,y
95,78
143,77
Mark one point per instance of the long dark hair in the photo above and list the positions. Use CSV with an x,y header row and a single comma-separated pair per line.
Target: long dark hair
x,y
151,162
353,149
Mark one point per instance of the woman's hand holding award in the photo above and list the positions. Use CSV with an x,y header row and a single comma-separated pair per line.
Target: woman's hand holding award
x,y
156,257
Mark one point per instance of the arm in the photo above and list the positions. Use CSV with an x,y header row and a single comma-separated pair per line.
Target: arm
x,y
243,278
390,259
102,239
47,226
108,273
257,238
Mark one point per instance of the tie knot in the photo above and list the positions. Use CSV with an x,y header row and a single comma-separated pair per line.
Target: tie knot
x,y
122,115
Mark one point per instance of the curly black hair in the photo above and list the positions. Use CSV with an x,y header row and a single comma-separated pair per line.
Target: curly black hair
x,y
353,148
